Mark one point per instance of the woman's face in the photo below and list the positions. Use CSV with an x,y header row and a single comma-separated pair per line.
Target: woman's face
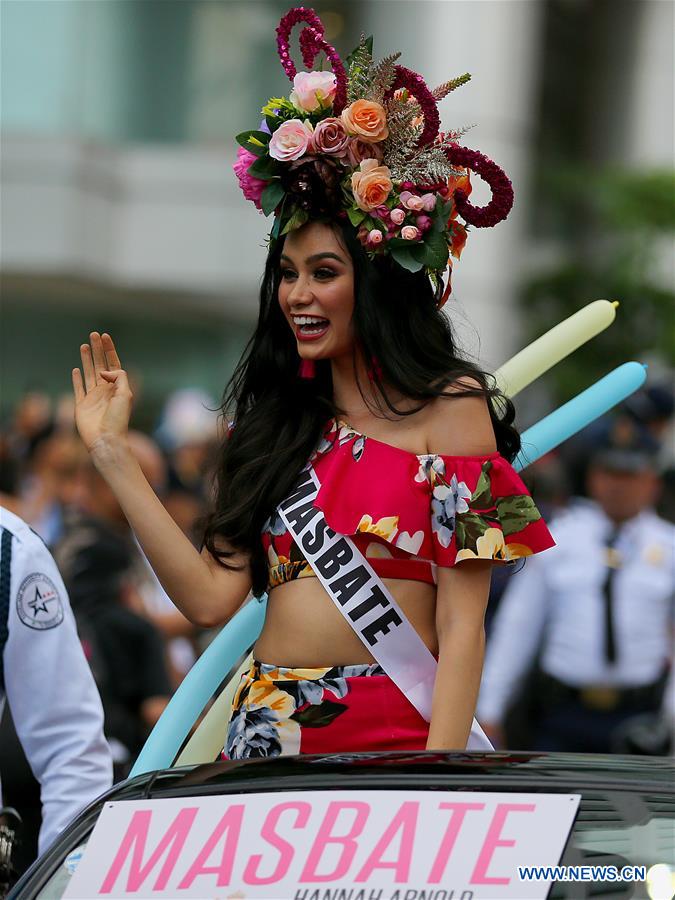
x,y
316,292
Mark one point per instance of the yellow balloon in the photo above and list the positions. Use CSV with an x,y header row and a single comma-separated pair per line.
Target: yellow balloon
x,y
561,340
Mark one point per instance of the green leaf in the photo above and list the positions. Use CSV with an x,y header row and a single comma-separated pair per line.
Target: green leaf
x,y
468,528
516,512
356,216
264,168
254,141
319,715
441,214
273,122
436,250
274,233
405,257
272,196
482,496
369,48
419,252
299,217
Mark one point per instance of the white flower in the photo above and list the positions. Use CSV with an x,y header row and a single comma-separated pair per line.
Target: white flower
x,y
431,465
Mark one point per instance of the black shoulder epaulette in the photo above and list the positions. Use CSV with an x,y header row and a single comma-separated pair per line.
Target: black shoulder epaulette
x,y
5,576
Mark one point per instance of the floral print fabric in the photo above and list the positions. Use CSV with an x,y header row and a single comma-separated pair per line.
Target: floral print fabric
x,y
408,513
283,711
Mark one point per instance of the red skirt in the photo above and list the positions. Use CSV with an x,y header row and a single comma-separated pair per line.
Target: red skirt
x,y
282,711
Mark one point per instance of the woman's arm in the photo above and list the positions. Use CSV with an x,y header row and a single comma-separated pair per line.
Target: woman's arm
x,y
461,601
459,426
204,591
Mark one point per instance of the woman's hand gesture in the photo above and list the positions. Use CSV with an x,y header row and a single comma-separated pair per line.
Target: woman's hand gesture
x,y
103,401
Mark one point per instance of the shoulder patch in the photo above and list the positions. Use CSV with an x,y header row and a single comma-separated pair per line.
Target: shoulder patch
x,y
38,603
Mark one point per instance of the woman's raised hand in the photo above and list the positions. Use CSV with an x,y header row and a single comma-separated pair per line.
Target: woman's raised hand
x,y
103,400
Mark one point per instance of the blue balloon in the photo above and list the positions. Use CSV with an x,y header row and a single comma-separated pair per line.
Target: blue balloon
x,y
198,686
579,412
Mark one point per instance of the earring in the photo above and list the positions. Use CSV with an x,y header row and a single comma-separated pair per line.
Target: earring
x,y
307,369
374,370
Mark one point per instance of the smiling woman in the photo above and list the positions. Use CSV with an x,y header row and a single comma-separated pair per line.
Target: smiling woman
x,y
365,481
316,294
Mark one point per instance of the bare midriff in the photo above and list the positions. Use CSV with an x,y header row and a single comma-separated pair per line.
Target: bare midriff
x,y
304,629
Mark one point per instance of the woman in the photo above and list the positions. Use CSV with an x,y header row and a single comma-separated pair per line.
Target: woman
x,y
353,368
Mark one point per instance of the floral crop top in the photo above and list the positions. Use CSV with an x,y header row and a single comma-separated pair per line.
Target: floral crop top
x,y
409,513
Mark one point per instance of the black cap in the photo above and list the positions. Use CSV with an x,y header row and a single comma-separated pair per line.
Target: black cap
x,y
638,455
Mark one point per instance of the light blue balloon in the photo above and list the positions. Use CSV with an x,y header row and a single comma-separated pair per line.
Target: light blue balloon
x,y
579,412
198,686
241,632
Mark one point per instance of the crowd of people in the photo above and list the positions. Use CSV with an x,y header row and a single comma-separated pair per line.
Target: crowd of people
x,y
579,638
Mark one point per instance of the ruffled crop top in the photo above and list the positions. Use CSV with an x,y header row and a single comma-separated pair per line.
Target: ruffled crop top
x,y
410,513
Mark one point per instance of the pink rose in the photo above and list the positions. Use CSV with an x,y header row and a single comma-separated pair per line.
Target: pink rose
x,y
412,201
291,140
375,236
330,137
397,216
313,90
423,222
359,150
252,187
428,202
410,233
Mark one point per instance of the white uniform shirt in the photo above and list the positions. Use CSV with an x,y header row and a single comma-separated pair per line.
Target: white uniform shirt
x,y
51,692
556,602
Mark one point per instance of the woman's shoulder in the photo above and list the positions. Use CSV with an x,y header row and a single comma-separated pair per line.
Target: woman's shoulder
x,y
459,423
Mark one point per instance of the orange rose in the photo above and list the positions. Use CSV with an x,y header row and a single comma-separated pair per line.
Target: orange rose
x,y
367,120
371,185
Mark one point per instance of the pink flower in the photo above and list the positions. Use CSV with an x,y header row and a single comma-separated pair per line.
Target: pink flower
x,y
252,187
428,202
410,233
412,201
375,236
397,216
291,140
423,222
330,137
313,90
359,150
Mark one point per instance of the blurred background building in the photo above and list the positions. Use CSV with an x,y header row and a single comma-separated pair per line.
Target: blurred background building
x,y
120,211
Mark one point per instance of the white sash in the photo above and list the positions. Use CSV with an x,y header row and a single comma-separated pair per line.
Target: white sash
x,y
364,601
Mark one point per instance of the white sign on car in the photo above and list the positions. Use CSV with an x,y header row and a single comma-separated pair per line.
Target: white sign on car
x,y
325,845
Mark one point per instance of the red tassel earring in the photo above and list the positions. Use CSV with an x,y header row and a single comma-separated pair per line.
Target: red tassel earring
x,y
307,368
375,370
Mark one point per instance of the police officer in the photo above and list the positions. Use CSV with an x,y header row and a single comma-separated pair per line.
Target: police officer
x,y
587,627
44,675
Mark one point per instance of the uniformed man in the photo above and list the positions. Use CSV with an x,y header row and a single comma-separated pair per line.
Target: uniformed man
x,y
585,631
50,690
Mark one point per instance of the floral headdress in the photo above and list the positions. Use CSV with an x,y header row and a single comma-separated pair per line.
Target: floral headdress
x,y
362,142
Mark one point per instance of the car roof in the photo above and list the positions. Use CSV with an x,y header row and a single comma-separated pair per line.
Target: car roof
x,y
487,771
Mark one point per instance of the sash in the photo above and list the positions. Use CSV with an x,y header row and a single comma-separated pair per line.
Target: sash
x,y
364,601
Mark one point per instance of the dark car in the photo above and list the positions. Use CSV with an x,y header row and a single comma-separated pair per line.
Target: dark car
x,y
619,823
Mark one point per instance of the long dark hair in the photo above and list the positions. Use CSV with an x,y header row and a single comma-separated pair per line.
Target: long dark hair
x,y
280,417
